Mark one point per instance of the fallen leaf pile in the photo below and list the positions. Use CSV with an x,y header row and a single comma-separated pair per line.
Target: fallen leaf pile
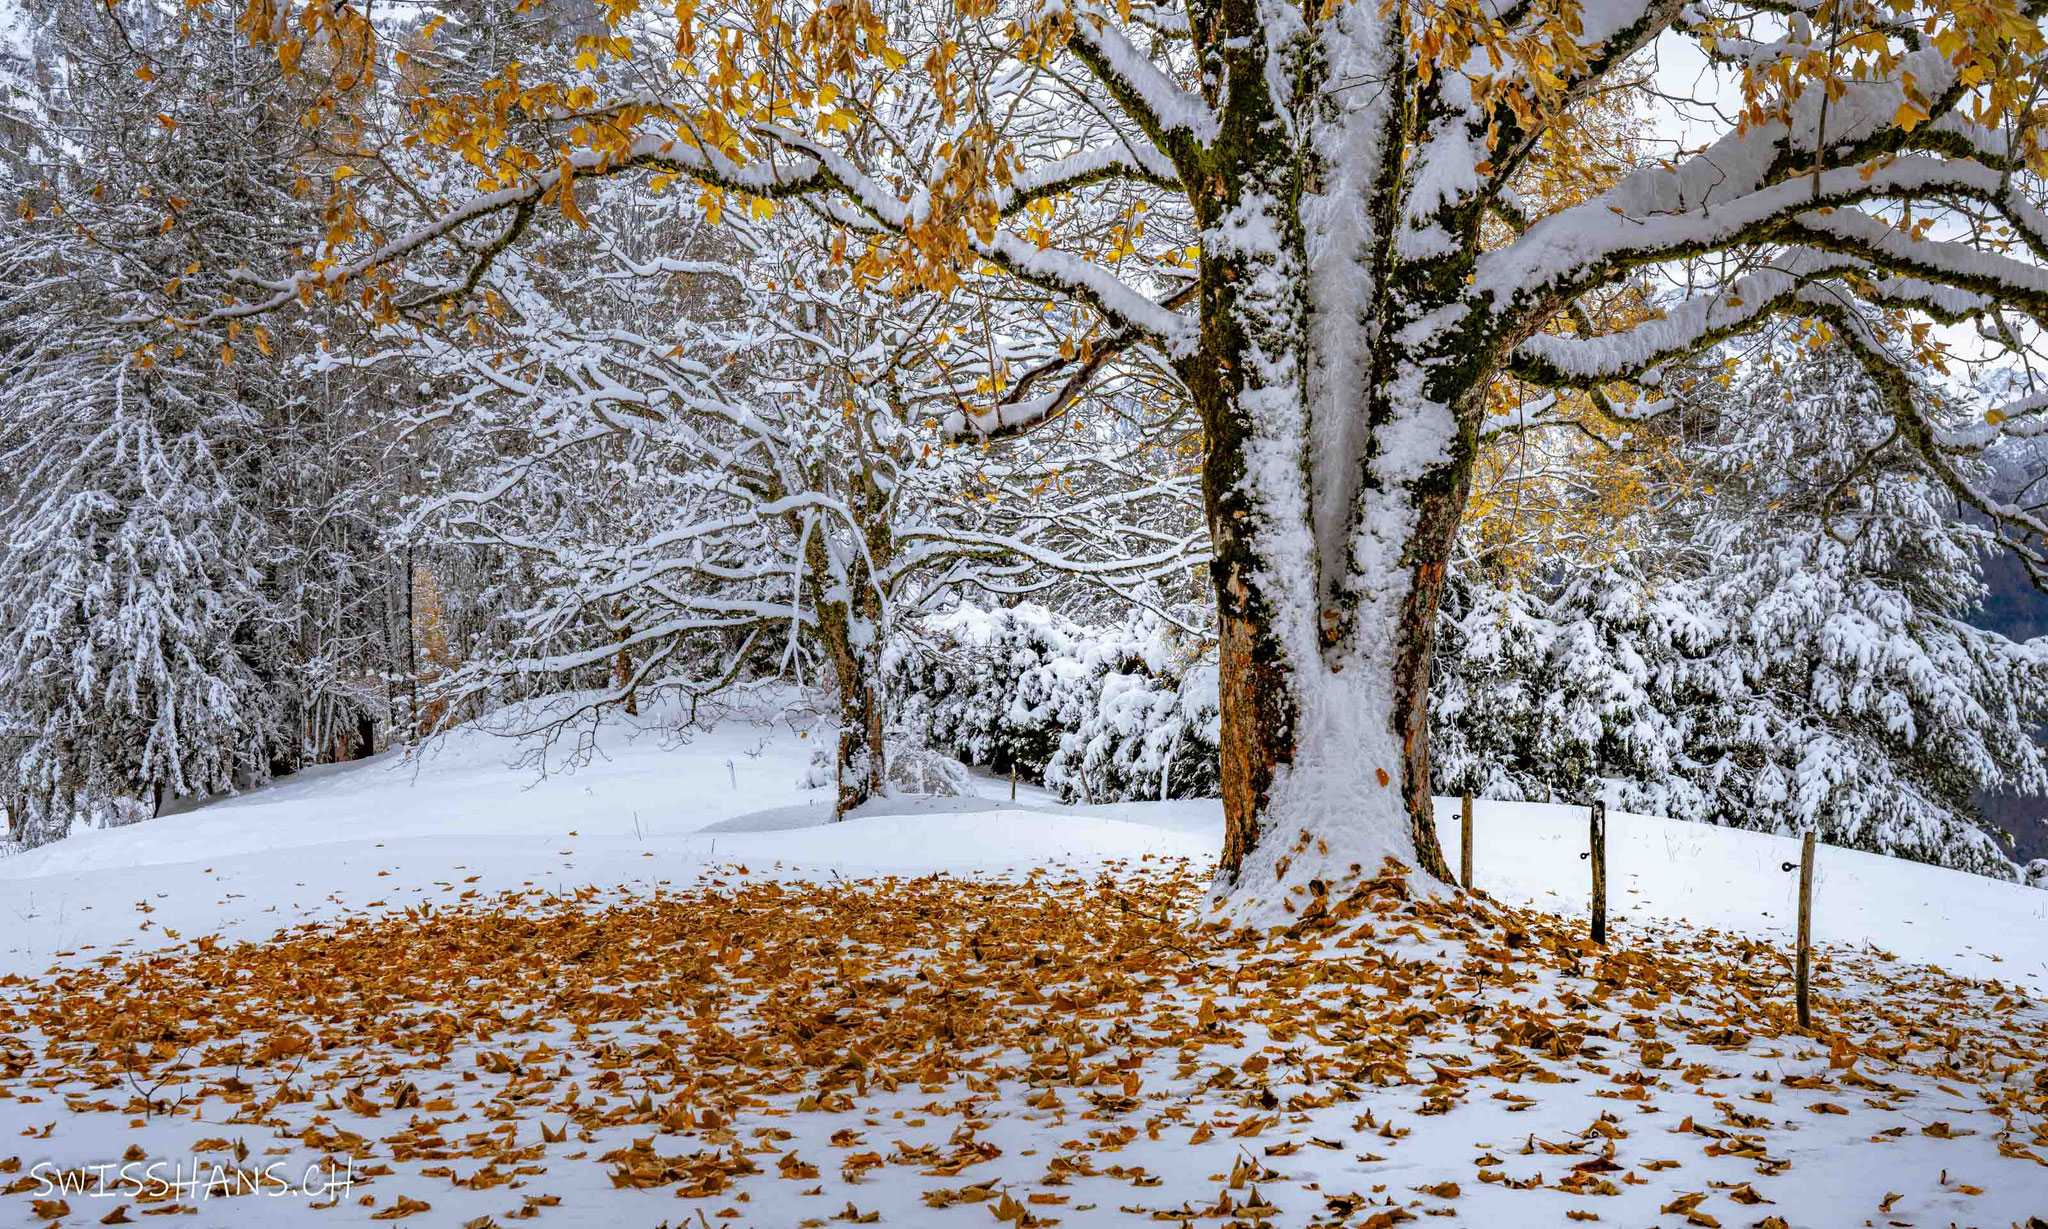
x,y
1044,1049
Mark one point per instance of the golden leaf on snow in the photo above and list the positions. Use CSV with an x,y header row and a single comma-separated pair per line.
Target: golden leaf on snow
x,y
403,1208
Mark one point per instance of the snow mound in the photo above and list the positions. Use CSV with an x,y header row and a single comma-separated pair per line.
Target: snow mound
x,y
819,813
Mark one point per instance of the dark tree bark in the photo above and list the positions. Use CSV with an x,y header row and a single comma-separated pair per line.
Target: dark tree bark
x,y
861,754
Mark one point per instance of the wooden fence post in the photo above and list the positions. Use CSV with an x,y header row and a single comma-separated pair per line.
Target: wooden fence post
x,y
1465,841
1599,858
1805,929
1013,783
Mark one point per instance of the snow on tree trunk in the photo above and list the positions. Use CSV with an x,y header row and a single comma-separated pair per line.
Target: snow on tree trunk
x,y
861,755
1334,480
851,623
1324,692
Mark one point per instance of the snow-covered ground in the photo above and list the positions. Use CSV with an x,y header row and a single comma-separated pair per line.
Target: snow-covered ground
x,y
458,825
649,808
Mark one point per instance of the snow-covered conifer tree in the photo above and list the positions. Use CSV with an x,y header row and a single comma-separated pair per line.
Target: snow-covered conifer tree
x,y
1787,648
127,584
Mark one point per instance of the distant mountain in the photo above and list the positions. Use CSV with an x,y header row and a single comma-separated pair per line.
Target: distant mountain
x,y
2017,610
2014,608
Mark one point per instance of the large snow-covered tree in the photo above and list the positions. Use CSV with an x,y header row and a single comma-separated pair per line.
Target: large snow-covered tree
x,y
1318,215
720,458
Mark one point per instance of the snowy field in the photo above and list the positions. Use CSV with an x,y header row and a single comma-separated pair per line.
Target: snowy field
x,y
649,809
650,816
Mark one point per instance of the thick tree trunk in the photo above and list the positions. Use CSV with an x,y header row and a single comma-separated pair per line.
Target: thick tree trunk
x,y
1340,380
862,757
1325,658
851,625
1335,475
